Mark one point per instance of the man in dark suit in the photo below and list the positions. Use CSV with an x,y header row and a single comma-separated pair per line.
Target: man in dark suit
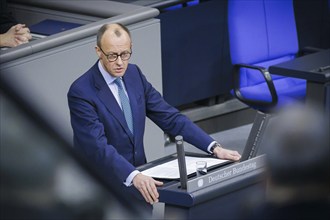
x,y
104,135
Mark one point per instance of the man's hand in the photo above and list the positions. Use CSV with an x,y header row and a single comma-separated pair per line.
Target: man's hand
x,y
147,187
16,35
22,33
226,154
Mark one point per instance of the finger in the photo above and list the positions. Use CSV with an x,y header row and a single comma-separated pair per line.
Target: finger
x,y
26,30
15,43
19,27
227,154
22,31
22,38
29,36
148,197
19,37
158,183
152,189
153,192
144,195
235,156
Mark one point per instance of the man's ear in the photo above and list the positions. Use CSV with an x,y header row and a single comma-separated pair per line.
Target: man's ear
x,y
98,51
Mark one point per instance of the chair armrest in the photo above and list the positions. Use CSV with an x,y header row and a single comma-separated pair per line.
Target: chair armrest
x,y
269,81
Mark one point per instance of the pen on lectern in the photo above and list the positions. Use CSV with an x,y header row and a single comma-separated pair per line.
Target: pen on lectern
x,y
181,161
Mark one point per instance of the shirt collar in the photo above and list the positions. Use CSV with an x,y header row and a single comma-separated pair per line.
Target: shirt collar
x,y
107,77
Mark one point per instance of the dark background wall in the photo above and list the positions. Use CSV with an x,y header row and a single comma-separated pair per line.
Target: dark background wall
x,y
195,55
313,22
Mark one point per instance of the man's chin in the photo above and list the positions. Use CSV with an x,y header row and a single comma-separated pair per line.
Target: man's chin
x,y
118,73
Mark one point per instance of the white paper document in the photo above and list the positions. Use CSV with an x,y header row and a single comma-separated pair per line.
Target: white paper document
x,y
170,170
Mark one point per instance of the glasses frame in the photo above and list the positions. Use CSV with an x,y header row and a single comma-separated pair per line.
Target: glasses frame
x,y
117,55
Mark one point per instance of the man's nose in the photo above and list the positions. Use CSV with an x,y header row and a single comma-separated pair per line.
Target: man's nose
x,y
119,61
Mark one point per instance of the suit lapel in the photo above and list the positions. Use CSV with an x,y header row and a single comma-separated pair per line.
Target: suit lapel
x,y
106,96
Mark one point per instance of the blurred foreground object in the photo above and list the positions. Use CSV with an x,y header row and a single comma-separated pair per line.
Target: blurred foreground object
x,y
298,162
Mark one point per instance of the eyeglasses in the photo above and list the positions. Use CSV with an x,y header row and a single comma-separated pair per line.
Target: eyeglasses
x,y
114,56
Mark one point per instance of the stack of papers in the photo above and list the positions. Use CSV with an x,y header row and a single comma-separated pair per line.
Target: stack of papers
x,y
170,170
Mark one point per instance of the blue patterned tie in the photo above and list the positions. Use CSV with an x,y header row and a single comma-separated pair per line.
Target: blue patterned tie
x,y
125,104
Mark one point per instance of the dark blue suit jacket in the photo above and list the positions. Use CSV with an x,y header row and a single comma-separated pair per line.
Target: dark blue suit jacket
x,y
100,130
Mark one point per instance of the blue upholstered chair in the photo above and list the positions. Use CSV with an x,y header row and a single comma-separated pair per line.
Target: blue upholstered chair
x,y
263,33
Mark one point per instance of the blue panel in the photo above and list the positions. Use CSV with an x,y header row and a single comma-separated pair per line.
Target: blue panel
x,y
248,37
281,28
268,33
49,27
174,7
192,3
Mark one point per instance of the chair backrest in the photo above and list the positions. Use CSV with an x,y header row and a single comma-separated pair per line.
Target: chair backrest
x,y
261,32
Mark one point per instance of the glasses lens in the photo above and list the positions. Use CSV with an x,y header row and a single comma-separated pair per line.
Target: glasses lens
x,y
112,57
125,56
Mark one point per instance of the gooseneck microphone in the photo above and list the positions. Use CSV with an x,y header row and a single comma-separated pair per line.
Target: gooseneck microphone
x,y
181,161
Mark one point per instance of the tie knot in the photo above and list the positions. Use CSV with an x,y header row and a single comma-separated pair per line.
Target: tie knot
x,y
118,82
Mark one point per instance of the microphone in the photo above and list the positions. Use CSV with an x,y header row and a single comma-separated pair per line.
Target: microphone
x,y
181,161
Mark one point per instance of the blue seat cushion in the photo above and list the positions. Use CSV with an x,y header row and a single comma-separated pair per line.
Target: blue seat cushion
x,y
288,90
251,77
